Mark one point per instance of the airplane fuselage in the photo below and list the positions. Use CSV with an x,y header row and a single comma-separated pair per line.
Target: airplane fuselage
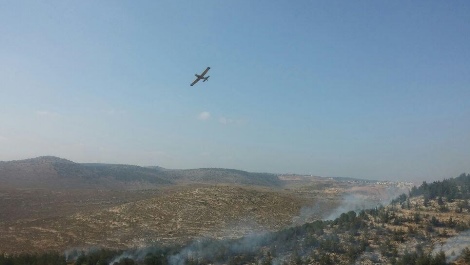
x,y
201,76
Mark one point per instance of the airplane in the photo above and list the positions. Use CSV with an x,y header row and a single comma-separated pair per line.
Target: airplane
x,y
201,76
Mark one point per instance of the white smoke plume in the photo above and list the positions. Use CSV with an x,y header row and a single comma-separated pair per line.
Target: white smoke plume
x,y
362,201
308,214
454,246
352,202
135,254
252,236
211,249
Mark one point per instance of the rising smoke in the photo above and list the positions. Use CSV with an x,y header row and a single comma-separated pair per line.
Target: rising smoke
x,y
135,254
454,246
208,249
358,201
352,202
254,239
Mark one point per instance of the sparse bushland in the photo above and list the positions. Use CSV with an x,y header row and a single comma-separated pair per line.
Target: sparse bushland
x,y
408,231
404,232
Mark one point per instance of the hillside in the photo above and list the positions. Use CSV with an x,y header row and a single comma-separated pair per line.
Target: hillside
x,y
223,176
56,173
412,230
38,172
176,215
429,226
53,204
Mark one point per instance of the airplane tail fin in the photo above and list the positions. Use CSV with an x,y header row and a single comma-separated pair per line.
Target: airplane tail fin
x,y
206,79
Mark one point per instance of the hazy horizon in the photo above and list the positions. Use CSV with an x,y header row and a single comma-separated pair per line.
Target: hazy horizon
x,y
416,182
373,90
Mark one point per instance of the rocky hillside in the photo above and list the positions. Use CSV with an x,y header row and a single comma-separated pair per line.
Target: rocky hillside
x,y
430,227
176,215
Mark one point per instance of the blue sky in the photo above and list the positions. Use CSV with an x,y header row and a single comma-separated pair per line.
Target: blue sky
x,y
370,89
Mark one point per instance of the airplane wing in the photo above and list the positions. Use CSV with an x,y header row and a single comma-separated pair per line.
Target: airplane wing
x,y
205,71
201,76
195,81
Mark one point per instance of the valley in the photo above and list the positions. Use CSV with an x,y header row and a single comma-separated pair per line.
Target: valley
x,y
244,217
122,207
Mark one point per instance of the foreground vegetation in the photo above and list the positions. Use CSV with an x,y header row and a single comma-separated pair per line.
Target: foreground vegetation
x,y
408,231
